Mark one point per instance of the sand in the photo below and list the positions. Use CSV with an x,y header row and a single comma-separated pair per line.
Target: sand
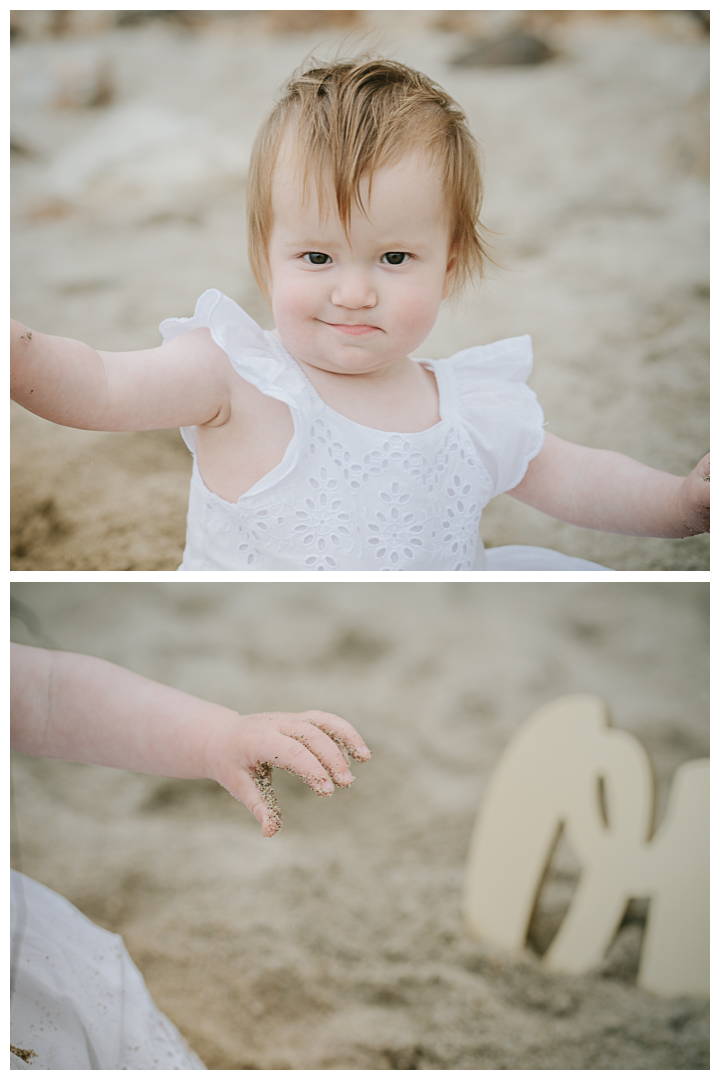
x,y
131,156
338,943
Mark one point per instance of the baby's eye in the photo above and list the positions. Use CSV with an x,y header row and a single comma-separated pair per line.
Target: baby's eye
x,y
395,258
316,258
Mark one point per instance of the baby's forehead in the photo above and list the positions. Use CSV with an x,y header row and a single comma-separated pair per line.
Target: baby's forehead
x,y
298,176
294,152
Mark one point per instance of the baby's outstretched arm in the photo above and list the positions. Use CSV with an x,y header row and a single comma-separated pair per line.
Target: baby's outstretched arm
x,y
182,382
599,489
80,708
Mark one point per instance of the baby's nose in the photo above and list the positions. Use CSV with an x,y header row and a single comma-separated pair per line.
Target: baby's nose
x,y
353,290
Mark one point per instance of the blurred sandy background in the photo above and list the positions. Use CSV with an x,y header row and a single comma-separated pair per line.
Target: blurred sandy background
x,y
132,133
338,944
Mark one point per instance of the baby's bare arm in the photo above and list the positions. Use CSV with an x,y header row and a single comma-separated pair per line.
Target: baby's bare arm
x,y
599,489
79,708
185,381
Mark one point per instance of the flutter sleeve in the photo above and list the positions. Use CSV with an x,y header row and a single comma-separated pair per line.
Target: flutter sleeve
x,y
245,343
500,410
253,353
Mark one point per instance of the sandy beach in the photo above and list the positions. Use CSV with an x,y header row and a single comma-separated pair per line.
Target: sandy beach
x,y
131,145
339,943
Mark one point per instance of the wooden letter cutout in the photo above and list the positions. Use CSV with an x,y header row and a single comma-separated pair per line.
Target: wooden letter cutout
x,y
550,775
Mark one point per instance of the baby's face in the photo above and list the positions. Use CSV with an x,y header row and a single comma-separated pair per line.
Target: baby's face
x,y
359,303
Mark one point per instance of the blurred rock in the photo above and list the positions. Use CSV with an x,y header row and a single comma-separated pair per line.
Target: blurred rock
x,y
509,50
145,155
78,78
702,18
34,25
476,24
31,24
19,148
192,20
304,22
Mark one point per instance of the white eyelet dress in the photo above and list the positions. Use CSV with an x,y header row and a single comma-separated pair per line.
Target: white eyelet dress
x,y
77,1000
351,498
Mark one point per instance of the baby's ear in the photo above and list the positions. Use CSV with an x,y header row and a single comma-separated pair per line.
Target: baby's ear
x,y
450,272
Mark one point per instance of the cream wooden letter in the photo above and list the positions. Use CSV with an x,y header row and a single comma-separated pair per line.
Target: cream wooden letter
x,y
551,775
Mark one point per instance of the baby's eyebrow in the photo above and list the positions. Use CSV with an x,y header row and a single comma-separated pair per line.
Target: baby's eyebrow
x,y
413,245
406,245
393,244
307,245
307,242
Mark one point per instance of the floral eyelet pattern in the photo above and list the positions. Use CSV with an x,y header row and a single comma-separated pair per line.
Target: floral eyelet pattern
x,y
401,504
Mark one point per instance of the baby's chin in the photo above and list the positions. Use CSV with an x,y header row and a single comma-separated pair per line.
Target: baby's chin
x,y
356,355
349,362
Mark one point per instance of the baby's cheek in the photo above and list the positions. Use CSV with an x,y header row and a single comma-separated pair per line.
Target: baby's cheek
x,y
420,314
290,305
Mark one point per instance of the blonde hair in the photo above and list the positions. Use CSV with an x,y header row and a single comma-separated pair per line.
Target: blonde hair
x,y
347,120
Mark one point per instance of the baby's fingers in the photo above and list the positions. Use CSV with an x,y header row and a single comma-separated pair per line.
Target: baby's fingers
x,y
271,819
343,734
251,779
254,790
243,751
323,747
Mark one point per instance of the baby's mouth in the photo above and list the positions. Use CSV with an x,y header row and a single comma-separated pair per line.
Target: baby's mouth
x,y
354,329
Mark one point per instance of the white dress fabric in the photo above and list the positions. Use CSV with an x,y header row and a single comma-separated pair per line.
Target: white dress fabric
x,y
346,497
78,1001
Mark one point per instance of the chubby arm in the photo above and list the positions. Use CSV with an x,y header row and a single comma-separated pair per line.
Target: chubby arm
x,y
600,489
185,381
79,708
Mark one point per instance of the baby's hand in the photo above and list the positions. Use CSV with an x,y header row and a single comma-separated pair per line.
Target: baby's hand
x,y
694,498
242,752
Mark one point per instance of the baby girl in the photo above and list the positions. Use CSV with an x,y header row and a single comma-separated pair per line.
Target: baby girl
x,y
324,445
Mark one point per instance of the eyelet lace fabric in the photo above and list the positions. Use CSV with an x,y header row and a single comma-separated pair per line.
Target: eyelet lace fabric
x,y
77,1000
348,497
